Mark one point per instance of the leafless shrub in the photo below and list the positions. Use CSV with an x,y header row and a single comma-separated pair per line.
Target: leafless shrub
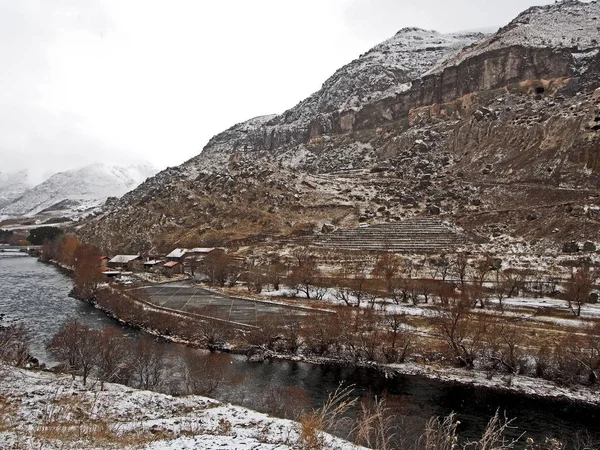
x,y
148,365
14,345
202,375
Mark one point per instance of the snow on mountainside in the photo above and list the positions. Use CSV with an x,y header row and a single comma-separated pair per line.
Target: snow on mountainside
x,y
383,71
500,133
13,185
77,191
543,27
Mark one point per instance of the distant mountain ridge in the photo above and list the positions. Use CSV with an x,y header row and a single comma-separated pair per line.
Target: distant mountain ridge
x,y
13,185
75,192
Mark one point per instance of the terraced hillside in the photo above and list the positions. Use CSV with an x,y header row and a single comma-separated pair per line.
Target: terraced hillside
x,y
425,235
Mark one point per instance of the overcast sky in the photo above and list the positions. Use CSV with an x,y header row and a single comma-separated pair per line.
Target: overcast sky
x,y
130,80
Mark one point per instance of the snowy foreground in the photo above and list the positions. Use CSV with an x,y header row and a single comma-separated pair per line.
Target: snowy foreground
x,y
44,410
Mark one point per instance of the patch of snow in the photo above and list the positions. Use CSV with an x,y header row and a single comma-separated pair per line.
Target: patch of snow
x,y
40,401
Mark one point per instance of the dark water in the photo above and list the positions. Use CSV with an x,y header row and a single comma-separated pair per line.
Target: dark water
x,y
38,295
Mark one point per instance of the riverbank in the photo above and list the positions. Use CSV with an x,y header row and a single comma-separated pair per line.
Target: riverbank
x,y
43,410
37,294
538,388
498,382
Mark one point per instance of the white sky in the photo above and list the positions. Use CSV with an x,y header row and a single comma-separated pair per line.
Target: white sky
x,y
130,80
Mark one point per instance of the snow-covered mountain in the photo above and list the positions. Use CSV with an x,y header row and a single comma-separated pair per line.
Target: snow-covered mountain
x,y
77,192
383,72
13,185
499,133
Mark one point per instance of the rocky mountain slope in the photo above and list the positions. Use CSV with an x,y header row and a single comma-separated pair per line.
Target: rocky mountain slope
x,y
77,192
498,134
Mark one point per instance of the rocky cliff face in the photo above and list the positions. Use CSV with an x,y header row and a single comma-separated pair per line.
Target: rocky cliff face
x,y
489,131
383,72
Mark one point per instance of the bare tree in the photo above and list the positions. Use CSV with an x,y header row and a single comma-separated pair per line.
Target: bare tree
x,y
387,267
113,355
352,283
462,330
76,345
515,279
148,364
14,344
304,272
275,270
505,347
87,275
401,337
202,374
579,287
217,267
460,266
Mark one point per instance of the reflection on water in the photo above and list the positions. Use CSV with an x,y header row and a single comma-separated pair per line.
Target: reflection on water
x,y
38,295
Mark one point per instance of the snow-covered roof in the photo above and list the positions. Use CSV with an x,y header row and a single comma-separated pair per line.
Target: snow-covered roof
x,y
151,262
201,250
123,259
177,253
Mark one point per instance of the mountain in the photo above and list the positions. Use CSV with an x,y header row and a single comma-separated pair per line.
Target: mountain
x,y
13,185
385,71
498,134
77,192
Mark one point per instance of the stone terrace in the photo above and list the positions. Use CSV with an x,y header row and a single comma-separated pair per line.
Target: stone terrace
x,y
409,236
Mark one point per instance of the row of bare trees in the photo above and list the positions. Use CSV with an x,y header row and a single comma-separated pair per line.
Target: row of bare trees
x,y
360,281
110,356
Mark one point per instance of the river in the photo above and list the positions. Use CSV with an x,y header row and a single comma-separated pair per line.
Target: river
x,y
37,294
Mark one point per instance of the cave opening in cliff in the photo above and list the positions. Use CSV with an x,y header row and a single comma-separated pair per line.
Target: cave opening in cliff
x,y
539,90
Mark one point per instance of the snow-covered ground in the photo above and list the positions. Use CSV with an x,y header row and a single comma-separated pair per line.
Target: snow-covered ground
x,y
544,27
44,410
535,387
532,309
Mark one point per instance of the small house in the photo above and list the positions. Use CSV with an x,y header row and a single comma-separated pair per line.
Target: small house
x,y
172,268
199,253
177,255
151,265
129,262
110,273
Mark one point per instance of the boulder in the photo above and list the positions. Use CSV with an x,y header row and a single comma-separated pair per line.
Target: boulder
x,y
434,210
570,247
589,246
327,228
496,264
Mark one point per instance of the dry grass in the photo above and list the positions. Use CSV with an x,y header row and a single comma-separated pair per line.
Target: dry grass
x,y
328,418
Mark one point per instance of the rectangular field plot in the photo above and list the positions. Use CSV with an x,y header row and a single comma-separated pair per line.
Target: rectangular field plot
x,y
200,301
